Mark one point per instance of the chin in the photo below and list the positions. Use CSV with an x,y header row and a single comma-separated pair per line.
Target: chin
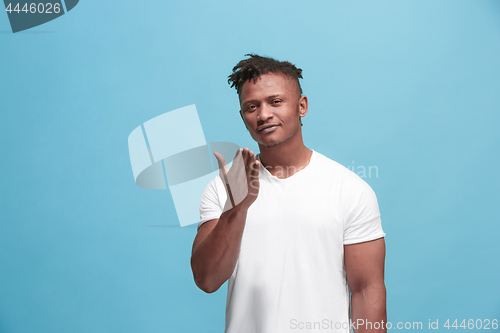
x,y
270,143
266,141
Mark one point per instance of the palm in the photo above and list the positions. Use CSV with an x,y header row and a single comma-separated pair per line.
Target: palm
x,y
241,181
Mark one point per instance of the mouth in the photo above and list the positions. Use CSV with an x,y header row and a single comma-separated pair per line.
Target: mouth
x,y
267,128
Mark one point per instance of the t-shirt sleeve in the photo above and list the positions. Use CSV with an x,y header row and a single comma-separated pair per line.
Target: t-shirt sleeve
x,y
210,206
362,222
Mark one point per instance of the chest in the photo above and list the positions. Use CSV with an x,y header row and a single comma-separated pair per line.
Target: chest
x,y
311,210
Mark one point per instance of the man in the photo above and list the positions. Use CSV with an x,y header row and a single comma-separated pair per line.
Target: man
x,y
306,242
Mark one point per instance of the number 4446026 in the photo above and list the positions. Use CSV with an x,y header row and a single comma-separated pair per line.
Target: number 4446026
x,y
485,324
47,8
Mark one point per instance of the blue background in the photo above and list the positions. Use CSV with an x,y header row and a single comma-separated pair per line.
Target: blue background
x,y
411,87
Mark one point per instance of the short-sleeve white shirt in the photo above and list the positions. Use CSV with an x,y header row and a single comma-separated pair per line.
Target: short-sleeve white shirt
x,y
290,272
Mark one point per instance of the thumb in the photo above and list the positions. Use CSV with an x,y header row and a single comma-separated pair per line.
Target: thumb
x,y
223,169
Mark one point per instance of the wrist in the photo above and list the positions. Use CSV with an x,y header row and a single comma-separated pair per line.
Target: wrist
x,y
241,208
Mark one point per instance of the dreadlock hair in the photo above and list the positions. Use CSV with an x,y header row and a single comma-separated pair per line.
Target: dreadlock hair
x,y
256,66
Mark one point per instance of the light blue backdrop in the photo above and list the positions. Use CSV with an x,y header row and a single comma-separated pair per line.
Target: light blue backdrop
x,y
411,87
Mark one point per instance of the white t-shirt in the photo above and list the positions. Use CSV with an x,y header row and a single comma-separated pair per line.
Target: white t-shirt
x,y
290,274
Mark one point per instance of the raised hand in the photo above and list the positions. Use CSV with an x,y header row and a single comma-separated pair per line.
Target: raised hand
x,y
242,180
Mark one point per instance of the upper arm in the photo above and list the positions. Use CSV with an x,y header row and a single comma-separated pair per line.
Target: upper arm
x,y
210,207
364,264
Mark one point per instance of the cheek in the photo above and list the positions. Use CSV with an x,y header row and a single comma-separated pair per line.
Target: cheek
x,y
249,120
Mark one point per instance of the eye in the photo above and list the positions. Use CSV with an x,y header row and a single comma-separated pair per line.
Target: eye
x,y
251,107
276,101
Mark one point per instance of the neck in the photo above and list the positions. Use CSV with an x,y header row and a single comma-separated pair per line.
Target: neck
x,y
286,158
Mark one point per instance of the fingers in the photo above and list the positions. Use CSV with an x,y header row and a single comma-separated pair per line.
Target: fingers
x,y
238,151
252,169
250,163
253,173
245,154
255,169
238,159
223,170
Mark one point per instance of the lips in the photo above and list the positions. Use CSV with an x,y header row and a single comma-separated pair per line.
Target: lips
x,y
267,127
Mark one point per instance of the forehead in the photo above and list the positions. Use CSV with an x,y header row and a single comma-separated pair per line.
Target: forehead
x,y
267,85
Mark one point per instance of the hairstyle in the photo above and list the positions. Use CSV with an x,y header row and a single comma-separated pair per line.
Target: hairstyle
x,y
256,66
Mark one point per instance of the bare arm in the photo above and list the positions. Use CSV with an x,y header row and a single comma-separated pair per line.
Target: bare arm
x,y
364,265
216,246
216,249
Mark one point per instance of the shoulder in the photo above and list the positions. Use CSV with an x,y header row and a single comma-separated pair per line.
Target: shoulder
x,y
214,187
212,200
358,201
340,174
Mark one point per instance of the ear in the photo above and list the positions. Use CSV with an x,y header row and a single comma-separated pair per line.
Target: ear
x,y
303,105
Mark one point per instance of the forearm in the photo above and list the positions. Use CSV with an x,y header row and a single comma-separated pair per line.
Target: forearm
x,y
369,310
214,258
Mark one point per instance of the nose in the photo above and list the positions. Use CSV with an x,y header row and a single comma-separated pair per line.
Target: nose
x,y
265,113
